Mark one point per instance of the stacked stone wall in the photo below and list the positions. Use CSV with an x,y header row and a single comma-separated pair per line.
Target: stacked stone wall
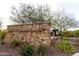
x,y
35,34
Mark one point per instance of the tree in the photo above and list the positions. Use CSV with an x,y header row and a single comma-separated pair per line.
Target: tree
x,y
62,20
30,14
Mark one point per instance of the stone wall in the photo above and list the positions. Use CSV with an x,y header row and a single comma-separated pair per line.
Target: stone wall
x,y
36,34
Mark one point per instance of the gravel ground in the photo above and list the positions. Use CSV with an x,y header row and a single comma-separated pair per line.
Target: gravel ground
x,y
4,51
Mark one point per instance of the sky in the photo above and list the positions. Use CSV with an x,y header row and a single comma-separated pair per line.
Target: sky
x,y
71,6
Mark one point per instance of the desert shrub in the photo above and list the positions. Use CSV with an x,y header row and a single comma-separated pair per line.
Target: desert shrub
x,y
73,33
66,34
27,50
2,34
41,50
15,44
76,33
64,46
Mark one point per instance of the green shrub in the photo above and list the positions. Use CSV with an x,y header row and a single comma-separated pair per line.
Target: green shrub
x,y
41,50
15,44
64,46
27,50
